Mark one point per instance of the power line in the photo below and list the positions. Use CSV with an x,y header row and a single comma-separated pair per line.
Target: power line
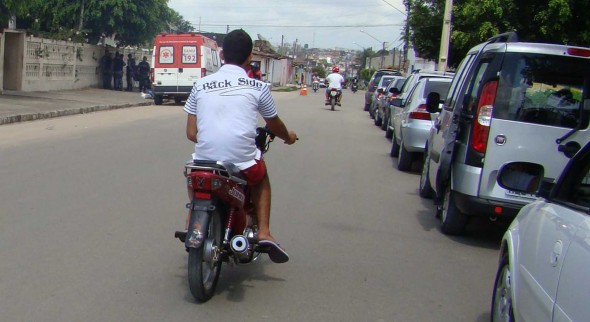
x,y
293,26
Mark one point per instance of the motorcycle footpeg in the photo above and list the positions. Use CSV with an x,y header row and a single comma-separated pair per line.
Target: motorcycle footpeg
x,y
180,234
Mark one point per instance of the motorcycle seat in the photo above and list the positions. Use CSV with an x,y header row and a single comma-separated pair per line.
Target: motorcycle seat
x,y
227,169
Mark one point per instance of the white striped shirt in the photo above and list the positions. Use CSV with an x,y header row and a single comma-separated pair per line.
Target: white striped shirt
x,y
226,105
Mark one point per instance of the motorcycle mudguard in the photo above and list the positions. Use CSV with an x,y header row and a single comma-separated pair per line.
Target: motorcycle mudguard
x,y
198,222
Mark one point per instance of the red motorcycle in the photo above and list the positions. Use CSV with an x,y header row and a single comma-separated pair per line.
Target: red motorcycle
x,y
222,225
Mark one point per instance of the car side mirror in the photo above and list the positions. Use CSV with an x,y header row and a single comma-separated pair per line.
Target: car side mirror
x,y
397,102
521,177
432,102
395,91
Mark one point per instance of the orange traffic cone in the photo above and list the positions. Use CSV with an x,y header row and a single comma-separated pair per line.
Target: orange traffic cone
x,y
303,91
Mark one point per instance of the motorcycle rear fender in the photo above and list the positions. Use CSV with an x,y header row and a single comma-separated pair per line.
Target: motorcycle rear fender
x,y
199,217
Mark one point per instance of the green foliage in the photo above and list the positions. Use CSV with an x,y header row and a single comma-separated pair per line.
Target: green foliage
x,y
132,22
474,21
320,71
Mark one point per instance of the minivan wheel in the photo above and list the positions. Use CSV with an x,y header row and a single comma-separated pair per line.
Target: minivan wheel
x,y
425,189
394,147
453,221
158,99
404,159
502,295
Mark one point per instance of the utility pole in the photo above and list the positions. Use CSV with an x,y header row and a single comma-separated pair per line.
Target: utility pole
x,y
445,37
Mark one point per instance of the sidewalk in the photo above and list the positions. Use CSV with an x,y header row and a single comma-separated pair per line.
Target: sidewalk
x,y
18,106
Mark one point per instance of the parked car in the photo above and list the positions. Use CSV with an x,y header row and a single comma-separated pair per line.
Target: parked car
x,y
379,92
544,256
373,82
322,82
382,110
502,108
412,123
404,91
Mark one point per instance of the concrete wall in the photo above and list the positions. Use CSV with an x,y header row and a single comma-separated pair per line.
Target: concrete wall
x,y
29,63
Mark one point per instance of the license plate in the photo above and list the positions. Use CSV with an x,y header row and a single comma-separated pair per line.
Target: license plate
x,y
520,195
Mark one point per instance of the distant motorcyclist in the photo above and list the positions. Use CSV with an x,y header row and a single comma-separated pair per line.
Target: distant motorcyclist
x,y
315,80
355,84
254,71
334,80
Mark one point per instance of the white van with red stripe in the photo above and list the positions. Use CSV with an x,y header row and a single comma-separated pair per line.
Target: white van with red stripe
x,y
179,60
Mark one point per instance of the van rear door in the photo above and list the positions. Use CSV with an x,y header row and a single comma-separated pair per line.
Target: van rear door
x,y
165,68
539,99
189,68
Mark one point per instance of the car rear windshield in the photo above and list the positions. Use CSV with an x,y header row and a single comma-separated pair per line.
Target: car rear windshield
x,y
385,81
442,88
543,89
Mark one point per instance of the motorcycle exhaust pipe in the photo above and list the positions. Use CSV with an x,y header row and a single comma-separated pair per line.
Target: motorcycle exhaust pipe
x,y
239,244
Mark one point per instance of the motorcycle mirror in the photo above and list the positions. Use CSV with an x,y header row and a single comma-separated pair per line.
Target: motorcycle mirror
x,y
380,91
432,101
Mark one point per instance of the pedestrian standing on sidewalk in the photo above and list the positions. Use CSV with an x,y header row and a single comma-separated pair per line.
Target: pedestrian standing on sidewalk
x,y
130,72
106,67
118,65
144,75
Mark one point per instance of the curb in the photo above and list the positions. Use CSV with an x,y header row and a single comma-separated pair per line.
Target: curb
x,y
67,112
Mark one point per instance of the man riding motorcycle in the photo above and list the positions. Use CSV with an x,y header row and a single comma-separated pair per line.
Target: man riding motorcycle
x,y
334,80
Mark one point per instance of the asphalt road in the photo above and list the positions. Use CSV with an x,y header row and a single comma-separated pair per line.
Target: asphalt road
x,y
89,205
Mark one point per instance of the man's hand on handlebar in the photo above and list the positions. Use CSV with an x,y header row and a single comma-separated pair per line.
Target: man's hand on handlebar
x,y
292,138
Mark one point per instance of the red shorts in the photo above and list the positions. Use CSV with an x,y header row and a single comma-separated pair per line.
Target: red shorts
x,y
255,173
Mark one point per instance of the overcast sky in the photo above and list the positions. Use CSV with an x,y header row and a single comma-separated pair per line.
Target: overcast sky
x,y
321,24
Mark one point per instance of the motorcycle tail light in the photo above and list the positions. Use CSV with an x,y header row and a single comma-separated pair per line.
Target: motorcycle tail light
x,y
203,195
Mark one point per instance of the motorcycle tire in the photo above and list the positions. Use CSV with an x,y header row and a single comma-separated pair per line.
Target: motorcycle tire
x,y
332,103
204,262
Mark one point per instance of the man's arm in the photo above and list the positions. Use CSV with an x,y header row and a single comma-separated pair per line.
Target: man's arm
x,y
191,127
277,127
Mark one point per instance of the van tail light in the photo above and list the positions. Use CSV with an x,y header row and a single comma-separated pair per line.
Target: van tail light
x,y
420,113
203,72
483,117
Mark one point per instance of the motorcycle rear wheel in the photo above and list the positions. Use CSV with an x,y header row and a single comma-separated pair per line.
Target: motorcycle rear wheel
x,y
204,262
332,102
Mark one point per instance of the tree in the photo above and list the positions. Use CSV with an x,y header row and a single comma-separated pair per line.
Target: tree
x,y
18,8
319,70
131,22
425,26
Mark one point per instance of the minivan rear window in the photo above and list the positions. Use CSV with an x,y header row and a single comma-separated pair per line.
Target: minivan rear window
x,y
542,89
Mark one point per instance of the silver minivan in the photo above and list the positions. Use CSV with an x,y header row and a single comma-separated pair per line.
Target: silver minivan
x,y
509,101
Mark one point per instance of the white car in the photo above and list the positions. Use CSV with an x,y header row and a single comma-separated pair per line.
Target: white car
x,y
411,122
545,254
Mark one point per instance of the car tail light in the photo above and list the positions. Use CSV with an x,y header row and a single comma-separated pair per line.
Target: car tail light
x,y
578,52
420,113
483,117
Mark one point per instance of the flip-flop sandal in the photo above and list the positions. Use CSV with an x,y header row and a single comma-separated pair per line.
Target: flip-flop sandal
x,y
275,252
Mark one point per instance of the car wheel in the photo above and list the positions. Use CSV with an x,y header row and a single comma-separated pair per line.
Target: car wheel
x,y
394,146
502,296
388,130
404,159
384,122
453,221
377,117
425,189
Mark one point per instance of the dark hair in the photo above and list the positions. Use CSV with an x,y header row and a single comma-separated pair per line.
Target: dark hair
x,y
237,46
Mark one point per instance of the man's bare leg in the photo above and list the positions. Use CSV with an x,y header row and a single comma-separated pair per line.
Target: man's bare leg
x,y
261,194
